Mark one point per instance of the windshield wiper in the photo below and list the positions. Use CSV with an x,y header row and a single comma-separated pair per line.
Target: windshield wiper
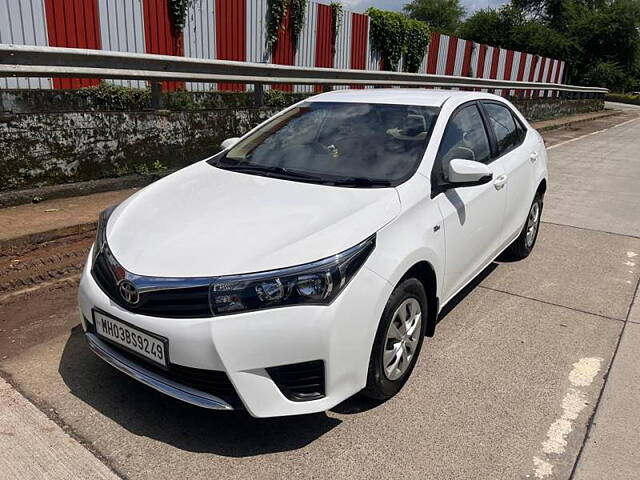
x,y
271,171
285,173
361,182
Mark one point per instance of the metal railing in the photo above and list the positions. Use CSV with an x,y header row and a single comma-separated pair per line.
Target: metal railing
x,y
35,61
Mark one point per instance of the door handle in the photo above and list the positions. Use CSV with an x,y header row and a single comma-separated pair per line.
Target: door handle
x,y
533,157
500,182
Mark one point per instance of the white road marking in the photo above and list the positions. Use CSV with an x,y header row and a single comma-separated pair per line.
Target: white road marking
x,y
584,372
572,404
542,468
631,254
630,264
589,134
582,375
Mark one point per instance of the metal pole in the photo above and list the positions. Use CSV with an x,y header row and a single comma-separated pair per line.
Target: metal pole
x,y
156,96
258,95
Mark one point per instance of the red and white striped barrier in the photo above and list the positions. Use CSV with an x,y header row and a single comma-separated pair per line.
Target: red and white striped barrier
x,y
236,30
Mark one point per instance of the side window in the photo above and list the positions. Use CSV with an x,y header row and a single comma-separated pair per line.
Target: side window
x,y
522,131
508,135
464,137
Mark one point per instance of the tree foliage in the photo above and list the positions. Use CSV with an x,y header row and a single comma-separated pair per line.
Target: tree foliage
x,y
441,15
395,36
508,27
599,39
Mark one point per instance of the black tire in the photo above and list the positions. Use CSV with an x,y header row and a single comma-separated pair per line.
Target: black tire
x,y
522,247
379,386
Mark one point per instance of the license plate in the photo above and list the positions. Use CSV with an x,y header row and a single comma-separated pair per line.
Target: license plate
x,y
131,338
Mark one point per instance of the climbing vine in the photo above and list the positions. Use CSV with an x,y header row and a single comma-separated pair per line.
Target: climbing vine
x,y
275,17
387,35
277,10
394,36
416,41
337,14
297,11
178,10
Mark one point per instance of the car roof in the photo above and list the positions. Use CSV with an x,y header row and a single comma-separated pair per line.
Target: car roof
x,y
400,96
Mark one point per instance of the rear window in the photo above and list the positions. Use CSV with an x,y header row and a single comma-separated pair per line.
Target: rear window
x,y
508,135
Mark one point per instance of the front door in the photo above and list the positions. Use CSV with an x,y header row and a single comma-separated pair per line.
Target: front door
x,y
516,154
472,216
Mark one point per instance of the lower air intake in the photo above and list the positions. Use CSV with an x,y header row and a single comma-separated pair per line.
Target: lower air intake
x,y
300,382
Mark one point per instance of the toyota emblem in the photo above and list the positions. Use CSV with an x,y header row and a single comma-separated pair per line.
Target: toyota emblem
x,y
128,292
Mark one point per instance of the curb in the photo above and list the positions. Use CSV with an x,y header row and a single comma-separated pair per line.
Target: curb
x,y
551,126
46,236
78,189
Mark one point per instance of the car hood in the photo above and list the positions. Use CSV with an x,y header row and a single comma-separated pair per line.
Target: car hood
x,y
205,221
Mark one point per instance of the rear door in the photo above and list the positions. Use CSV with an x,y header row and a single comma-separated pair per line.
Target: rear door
x,y
472,216
516,155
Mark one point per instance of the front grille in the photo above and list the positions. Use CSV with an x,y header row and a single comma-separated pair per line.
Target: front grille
x,y
214,382
170,302
300,382
105,278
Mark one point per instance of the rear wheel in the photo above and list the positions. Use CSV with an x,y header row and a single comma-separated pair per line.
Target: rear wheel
x,y
398,340
523,245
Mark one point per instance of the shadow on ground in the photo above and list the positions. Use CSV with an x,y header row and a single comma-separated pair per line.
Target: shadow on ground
x,y
359,404
145,412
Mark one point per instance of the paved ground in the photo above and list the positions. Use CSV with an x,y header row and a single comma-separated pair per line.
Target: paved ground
x,y
52,453
505,390
68,215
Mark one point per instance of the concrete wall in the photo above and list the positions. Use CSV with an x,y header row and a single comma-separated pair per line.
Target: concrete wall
x,y
52,148
536,109
40,148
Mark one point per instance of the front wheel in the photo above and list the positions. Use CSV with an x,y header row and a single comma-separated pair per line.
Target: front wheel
x,y
398,340
523,245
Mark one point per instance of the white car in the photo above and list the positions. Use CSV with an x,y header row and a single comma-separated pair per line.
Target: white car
x,y
307,261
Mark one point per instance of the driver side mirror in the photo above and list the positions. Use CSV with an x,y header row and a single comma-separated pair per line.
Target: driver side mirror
x,y
229,142
468,173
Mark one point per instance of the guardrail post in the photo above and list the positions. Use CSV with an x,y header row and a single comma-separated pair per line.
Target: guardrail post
x,y
156,96
258,95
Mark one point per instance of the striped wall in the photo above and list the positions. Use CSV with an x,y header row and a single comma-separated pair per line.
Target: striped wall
x,y
73,23
200,35
236,30
23,22
121,30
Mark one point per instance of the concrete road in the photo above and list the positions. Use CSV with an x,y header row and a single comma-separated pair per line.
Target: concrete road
x,y
505,390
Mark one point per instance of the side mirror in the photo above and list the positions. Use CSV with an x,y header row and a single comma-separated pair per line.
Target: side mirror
x,y
229,142
467,173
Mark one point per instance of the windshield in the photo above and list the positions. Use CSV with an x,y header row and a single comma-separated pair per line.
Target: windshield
x,y
352,144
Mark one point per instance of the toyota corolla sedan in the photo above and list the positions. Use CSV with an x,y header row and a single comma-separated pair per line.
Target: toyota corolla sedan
x,y
307,261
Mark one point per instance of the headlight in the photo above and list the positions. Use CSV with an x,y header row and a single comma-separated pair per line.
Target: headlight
x,y
313,283
101,232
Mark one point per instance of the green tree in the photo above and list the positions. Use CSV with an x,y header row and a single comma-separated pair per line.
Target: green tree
x,y
599,39
490,26
509,27
441,15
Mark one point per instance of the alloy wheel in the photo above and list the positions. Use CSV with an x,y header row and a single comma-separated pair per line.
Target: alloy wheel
x,y
402,339
533,221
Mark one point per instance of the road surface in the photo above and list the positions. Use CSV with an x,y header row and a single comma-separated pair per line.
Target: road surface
x,y
505,390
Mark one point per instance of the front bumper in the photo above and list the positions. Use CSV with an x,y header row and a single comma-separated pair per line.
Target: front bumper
x,y
153,380
245,345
